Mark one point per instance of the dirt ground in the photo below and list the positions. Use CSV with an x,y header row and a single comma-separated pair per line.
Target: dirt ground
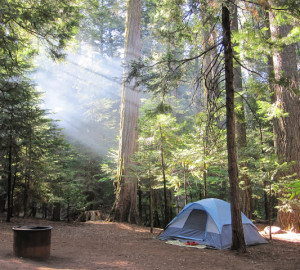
x,y
103,245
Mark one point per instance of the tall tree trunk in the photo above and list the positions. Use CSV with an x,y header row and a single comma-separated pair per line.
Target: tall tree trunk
x,y
13,190
125,206
170,216
246,190
28,174
184,184
151,203
238,241
166,208
266,201
9,179
204,180
286,128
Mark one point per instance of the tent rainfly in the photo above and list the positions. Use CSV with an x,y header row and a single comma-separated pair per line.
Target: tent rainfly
x,y
208,222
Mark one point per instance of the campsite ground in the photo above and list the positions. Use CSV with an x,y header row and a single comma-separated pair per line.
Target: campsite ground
x,y
103,245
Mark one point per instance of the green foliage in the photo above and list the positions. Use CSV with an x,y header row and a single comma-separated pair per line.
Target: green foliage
x,y
52,22
44,167
175,62
103,26
181,117
294,191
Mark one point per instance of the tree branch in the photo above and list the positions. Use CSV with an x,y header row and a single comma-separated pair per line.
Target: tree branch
x,y
252,71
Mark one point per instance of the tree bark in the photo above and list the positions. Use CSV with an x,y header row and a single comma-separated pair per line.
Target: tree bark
x,y
238,241
286,128
125,206
204,180
184,184
28,174
13,189
166,208
151,203
9,179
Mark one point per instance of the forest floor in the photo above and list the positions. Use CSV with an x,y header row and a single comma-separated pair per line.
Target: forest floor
x,y
103,245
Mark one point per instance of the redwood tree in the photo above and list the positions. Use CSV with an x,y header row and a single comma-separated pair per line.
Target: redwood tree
x,y
125,206
286,97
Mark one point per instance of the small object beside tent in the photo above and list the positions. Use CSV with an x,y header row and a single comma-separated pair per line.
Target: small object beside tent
x,y
274,230
208,222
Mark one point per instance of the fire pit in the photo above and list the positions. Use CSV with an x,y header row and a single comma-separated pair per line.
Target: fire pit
x,y
32,241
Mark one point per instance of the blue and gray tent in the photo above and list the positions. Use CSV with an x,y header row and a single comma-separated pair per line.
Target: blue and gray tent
x,y
208,222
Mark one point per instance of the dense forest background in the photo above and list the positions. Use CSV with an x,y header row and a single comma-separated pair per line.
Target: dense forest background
x,y
65,71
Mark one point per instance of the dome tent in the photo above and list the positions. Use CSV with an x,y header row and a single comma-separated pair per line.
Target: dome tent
x,y
208,222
